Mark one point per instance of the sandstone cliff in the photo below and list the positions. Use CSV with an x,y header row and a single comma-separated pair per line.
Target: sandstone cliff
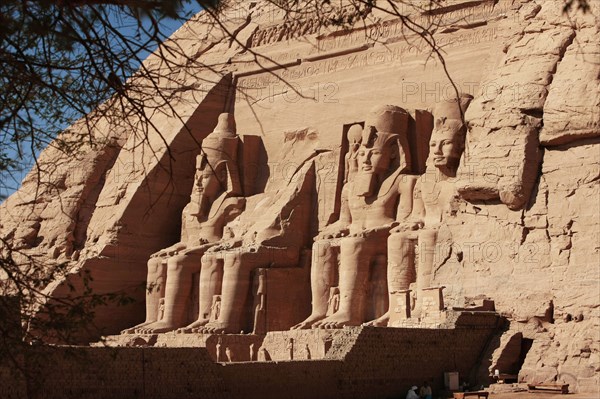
x,y
525,231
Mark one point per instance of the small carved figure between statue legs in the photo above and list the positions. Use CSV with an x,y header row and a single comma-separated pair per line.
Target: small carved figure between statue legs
x,y
290,348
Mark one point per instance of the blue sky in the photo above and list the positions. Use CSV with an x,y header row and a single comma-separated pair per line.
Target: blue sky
x,y
11,180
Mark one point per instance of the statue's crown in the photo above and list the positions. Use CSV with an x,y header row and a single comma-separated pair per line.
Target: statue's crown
x,y
453,108
222,142
355,133
389,122
225,126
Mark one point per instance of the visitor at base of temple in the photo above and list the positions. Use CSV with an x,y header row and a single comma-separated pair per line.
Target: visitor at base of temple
x,y
425,391
412,393
464,387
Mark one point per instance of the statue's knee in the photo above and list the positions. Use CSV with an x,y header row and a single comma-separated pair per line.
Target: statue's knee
x,y
402,235
208,260
352,244
235,259
175,263
321,248
401,242
155,266
427,235
393,238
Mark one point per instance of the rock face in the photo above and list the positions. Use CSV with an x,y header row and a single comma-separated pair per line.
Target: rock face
x,y
508,182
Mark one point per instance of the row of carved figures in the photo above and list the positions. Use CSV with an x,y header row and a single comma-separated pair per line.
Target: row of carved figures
x,y
261,355
388,213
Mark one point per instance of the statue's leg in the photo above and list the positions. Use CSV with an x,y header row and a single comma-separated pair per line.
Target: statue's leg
x,y
236,282
180,269
211,280
400,269
155,289
322,277
355,255
259,325
427,248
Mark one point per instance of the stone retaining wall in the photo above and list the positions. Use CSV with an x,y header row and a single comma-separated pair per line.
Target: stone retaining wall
x,y
377,363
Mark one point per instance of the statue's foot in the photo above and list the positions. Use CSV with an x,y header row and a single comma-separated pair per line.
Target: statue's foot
x,y
133,329
308,323
217,328
158,327
336,320
379,322
145,329
198,323
194,327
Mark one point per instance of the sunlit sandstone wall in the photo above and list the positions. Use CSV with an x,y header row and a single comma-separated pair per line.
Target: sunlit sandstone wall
x,y
107,207
363,369
526,231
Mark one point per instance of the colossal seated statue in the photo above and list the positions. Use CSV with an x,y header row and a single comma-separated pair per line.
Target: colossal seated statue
x,y
215,200
371,203
274,228
433,195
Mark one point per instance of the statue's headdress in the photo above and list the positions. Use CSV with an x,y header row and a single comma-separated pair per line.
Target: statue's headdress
x,y
355,133
220,147
223,141
452,109
388,123
450,121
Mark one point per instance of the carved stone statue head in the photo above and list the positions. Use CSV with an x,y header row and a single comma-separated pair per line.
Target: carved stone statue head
x,y
384,148
447,141
216,167
354,138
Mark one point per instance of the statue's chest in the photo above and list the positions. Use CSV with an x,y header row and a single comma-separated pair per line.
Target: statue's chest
x,y
437,196
431,192
379,205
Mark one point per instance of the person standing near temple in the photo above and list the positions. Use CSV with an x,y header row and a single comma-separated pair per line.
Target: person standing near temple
x,y
425,392
412,393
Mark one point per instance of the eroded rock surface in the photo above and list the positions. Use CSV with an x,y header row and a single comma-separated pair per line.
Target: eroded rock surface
x,y
521,224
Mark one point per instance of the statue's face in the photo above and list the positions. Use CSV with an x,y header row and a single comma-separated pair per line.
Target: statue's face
x,y
446,145
354,146
207,185
354,137
375,160
208,181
